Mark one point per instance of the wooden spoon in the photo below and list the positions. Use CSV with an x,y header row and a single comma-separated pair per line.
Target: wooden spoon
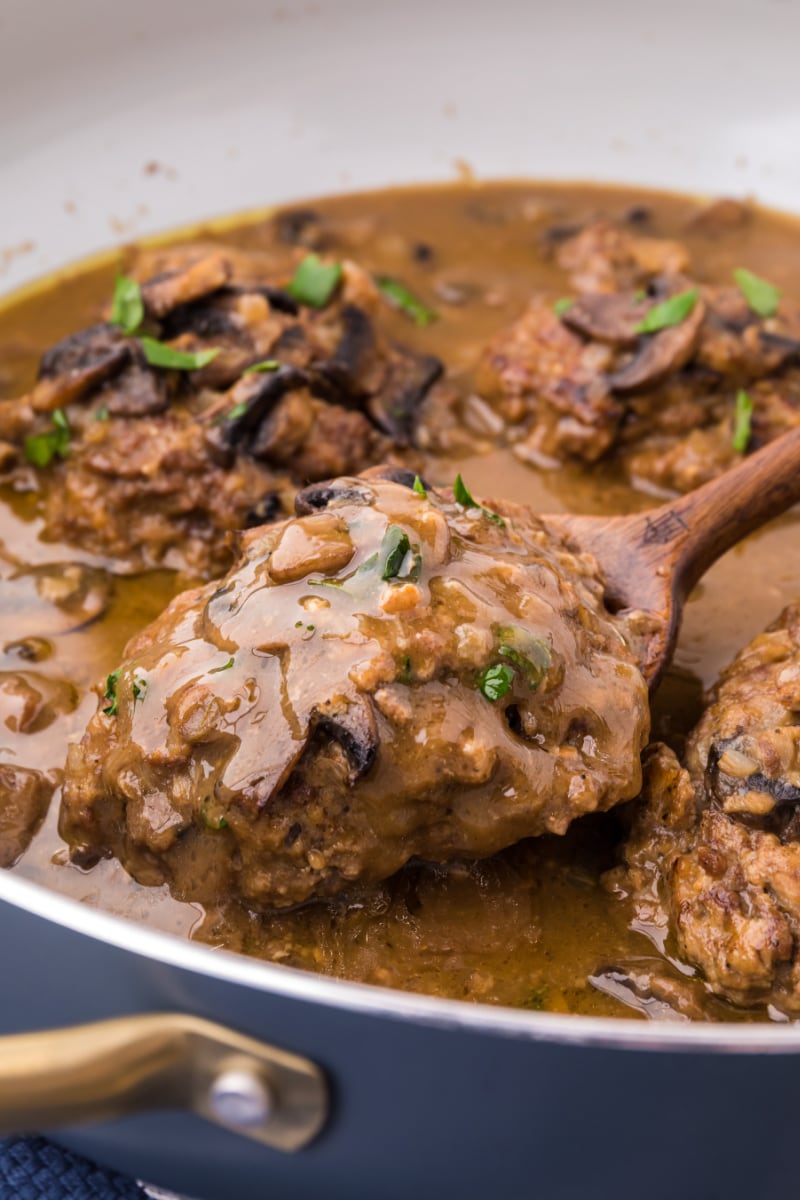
x,y
652,560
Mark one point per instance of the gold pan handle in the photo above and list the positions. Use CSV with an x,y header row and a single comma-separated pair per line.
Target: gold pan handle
x,y
141,1064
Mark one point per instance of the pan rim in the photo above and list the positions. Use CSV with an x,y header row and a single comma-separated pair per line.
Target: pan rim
x,y
619,1033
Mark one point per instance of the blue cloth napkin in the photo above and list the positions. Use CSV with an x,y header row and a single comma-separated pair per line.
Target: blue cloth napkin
x,y
34,1169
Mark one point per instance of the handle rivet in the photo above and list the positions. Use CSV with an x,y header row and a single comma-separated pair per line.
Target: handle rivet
x,y
241,1098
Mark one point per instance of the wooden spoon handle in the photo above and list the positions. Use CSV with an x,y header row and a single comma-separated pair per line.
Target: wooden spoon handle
x,y
692,532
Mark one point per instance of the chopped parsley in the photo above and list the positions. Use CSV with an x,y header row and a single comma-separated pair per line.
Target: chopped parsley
x,y
669,312
314,281
419,487
127,308
111,694
742,420
211,822
41,448
399,296
237,411
528,653
102,413
495,681
225,667
269,364
334,583
160,355
394,555
563,305
464,497
139,687
762,297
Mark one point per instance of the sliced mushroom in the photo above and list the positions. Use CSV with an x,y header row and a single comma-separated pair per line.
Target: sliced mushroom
x,y
259,393
279,299
611,317
321,495
78,364
724,785
205,318
395,408
721,216
56,598
139,391
355,354
300,227
350,721
781,341
168,290
269,508
31,702
399,475
661,354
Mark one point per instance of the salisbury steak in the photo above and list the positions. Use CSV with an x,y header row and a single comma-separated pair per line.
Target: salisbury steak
x,y
714,855
648,364
220,384
392,673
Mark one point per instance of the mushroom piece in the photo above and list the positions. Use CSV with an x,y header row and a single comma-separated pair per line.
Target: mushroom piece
x,y
350,721
56,598
169,289
395,408
300,227
399,475
660,354
611,317
269,508
354,356
319,495
724,785
259,393
139,391
77,364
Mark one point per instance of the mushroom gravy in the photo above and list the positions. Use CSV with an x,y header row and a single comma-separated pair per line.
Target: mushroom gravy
x,y
532,926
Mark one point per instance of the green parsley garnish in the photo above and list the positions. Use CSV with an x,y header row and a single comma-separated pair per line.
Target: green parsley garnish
x,y
400,297
563,305
127,308
419,487
464,497
237,411
314,281
208,820
763,297
111,694
225,667
41,448
102,413
392,555
669,312
139,687
530,654
334,583
495,681
159,355
742,422
269,364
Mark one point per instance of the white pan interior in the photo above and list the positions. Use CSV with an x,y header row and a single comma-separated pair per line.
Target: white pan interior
x,y
118,120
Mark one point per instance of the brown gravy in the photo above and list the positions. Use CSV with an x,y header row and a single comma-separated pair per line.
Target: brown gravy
x,y
533,925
